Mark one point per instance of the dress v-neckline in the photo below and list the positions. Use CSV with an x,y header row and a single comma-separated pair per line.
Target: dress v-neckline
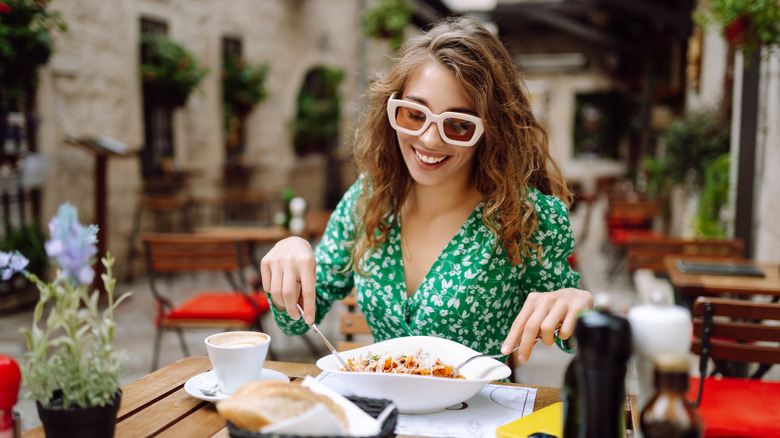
x,y
438,260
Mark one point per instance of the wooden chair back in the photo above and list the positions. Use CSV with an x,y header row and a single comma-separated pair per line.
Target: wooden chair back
x,y
353,326
734,330
648,252
171,253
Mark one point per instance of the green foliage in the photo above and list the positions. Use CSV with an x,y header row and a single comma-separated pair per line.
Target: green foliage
x,y
387,19
714,197
691,143
25,44
243,83
657,184
29,241
168,68
746,23
72,348
318,112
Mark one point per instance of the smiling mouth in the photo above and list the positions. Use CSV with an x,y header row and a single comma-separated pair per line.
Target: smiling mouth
x,y
429,160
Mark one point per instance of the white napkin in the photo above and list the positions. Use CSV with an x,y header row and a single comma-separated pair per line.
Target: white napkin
x,y
319,421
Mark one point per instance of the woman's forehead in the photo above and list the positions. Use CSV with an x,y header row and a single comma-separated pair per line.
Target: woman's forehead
x,y
436,87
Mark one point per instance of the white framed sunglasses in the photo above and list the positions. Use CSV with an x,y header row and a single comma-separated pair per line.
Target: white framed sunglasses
x,y
455,128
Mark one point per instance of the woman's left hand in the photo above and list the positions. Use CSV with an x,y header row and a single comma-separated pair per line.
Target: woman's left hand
x,y
542,313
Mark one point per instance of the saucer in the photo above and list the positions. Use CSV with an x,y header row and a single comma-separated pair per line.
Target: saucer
x,y
208,379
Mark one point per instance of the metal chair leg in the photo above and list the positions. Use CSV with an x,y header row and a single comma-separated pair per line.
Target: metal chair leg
x,y
156,355
182,342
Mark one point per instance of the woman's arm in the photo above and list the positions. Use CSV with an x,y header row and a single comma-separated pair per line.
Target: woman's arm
x,y
554,301
293,273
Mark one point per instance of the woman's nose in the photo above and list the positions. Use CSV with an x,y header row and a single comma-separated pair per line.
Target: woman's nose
x,y
431,135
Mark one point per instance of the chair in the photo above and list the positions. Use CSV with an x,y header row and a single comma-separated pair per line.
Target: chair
x,y
732,332
353,324
234,309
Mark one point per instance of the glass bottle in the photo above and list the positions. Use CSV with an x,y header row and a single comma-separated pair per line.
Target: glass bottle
x,y
669,414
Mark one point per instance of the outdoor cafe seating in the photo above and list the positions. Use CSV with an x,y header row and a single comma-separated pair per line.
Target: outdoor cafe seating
x,y
235,308
733,333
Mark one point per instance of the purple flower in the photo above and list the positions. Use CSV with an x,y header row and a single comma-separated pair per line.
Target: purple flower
x,y
72,244
11,263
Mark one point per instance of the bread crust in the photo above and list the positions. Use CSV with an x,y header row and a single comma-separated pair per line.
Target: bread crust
x,y
257,404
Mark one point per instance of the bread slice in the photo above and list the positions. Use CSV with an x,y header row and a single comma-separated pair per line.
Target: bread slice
x,y
258,404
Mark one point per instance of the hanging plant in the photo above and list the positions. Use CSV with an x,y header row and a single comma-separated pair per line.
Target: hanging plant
x,y
318,114
243,83
25,43
388,19
168,70
745,23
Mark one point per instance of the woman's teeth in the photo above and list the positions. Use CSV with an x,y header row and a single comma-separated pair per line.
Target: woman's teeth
x,y
429,160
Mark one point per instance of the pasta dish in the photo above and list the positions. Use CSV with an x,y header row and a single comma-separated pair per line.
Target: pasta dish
x,y
421,362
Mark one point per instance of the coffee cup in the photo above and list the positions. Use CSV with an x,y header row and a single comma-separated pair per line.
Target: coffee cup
x,y
237,357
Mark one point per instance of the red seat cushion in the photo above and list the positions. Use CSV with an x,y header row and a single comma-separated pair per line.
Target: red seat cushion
x,y
734,407
220,305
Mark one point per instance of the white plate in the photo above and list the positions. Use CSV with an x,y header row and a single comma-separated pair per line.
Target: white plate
x,y
415,393
208,379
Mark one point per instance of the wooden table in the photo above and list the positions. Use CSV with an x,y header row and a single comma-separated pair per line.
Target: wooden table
x,y
692,285
158,405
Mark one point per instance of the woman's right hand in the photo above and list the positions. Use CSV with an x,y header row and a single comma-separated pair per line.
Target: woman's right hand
x,y
289,267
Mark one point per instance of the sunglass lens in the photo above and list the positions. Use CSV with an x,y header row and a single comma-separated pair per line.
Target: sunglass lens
x,y
459,129
410,118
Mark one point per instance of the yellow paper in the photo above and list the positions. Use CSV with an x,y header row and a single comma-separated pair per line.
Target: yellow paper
x,y
548,420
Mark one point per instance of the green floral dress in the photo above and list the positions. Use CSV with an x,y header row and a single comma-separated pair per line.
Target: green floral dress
x,y
471,295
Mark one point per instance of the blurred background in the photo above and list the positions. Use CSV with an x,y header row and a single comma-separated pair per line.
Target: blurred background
x,y
172,115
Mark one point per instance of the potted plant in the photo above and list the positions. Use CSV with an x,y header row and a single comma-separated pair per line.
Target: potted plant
x,y
318,114
243,84
387,19
168,71
72,369
25,44
744,23
243,87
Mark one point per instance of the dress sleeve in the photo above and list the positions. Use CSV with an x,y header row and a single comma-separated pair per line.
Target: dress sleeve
x,y
334,279
554,233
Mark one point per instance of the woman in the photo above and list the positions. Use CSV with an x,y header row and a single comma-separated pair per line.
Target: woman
x,y
456,226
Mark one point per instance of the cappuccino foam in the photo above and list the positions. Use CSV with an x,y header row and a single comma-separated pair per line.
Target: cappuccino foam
x,y
238,340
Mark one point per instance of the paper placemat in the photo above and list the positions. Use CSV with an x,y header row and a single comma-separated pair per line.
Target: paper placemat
x,y
477,417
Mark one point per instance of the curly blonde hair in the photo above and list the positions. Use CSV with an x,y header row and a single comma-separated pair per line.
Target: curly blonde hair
x,y
512,155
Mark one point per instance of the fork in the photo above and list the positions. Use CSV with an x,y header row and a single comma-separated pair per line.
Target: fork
x,y
492,356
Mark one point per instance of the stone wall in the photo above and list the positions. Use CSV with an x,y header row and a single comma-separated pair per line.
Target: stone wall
x,y
91,87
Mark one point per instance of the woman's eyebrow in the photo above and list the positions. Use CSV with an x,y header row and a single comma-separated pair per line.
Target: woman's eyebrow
x,y
423,101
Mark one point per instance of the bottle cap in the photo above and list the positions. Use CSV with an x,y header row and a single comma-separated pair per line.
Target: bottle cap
x,y
671,363
10,379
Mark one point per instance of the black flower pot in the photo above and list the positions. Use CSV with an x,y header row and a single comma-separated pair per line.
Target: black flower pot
x,y
97,422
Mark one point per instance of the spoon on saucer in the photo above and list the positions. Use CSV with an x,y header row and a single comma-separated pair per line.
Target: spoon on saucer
x,y
211,392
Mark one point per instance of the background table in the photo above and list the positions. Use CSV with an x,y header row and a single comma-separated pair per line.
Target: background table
x,y
158,405
691,286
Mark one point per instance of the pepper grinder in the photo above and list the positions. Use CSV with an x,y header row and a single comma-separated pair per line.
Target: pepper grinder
x,y
10,379
594,384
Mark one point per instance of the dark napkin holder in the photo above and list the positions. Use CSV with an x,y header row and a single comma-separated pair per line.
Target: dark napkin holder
x,y
371,406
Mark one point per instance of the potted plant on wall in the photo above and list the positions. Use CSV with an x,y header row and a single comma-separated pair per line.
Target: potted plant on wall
x,y
168,71
72,368
318,114
243,87
25,44
745,23
387,19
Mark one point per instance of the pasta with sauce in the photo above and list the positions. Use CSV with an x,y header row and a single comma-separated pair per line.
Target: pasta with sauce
x,y
421,362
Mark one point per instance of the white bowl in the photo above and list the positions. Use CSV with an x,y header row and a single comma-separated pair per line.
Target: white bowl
x,y
415,393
